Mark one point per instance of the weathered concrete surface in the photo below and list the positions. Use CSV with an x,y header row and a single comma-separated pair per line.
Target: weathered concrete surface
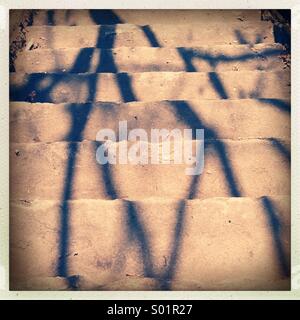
x,y
130,35
142,17
205,59
234,119
232,236
148,86
153,236
18,21
40,172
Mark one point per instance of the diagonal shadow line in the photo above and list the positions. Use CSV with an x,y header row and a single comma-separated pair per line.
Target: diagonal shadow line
x,y
277,103
135,226
281,148
185,113
77,127
242,40
240,37
110,189
125,86
218,85
168,275
179,227
216,82
82,63
79,119
275,225
107,63
188,55
151,37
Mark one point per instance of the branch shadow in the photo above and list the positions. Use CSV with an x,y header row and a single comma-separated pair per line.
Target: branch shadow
x,y
185,113
276,226
189,55
281,148
135,228
80,114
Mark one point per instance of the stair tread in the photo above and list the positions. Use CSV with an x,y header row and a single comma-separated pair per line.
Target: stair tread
x,y
87,17
156,35
229,170
97,255
148,86
126,59
234,119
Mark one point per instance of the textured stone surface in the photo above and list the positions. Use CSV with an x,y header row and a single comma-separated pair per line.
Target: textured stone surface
x,y
148,86
230,168
235,119
142,17
130,35
234,237
206,58
227,229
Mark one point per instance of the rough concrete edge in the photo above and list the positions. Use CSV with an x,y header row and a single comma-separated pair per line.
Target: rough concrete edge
x,y
281,20
19,20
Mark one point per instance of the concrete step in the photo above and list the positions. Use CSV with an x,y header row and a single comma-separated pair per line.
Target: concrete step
x,y
148,86
218,243
156,35
140,283
146,59
253,167
226,119
142,17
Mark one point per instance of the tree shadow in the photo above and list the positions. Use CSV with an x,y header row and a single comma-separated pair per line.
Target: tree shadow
x,y
276,227
79,116
277,103
242,39
79,119
134,225
190,55
281,148
185,113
